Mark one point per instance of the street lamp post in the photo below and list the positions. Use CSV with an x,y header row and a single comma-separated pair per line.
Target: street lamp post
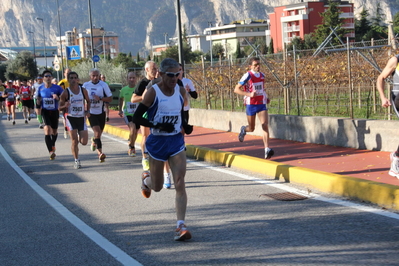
x,y
44,41
181,56
34,49
91,33
59,29
210,40
104,53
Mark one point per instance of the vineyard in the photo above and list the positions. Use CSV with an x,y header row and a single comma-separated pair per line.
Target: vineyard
x,y
338,81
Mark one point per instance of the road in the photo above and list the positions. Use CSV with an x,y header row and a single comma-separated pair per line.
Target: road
x,y
53,214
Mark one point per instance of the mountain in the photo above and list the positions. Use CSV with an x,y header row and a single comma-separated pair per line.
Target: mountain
x,y
138,23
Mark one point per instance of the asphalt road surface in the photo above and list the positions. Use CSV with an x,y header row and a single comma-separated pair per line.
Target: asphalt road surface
x,y
53,214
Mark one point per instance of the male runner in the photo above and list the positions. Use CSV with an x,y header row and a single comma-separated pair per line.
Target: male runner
x,y
99,93
127,109
47,96
251,86
26,98
163,103
2,100
74,99
391,70
150,69
189,87
35,87
10,95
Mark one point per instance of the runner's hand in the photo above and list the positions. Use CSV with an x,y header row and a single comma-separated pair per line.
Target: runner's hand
x,y
188,129
167,127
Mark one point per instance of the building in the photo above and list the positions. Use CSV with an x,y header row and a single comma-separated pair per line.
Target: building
x,y
41,54
104,42
242,32
296,20
228,36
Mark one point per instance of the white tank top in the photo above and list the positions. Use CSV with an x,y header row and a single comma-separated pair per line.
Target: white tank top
x,y
77,107
166,109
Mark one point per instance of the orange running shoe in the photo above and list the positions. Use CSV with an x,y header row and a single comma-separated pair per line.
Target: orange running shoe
x,y
145,191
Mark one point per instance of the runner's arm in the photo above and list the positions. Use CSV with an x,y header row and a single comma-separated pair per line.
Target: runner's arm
x,y
386,72
64,103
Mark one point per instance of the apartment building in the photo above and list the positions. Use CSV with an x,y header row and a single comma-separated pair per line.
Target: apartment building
x,y
104,42
299,19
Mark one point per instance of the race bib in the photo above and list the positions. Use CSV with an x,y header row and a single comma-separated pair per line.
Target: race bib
x,y
77,111
48,103
258,87
131,107
25,95
94,103
10,96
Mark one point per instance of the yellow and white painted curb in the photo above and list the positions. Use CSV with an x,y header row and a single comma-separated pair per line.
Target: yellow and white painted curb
x,y
384,195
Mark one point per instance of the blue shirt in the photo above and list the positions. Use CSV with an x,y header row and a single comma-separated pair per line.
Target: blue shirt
x,y
46,94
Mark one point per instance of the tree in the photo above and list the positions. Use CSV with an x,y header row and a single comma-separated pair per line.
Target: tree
x,y
218,50
330,19
379,29
271,47
22,67
124,60
173,52
396,23
362,25
238,53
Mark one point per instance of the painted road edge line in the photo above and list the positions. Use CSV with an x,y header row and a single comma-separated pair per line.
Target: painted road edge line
x,y
96,237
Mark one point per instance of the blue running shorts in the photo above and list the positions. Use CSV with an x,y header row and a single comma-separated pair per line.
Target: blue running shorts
x,y
161,148
253,109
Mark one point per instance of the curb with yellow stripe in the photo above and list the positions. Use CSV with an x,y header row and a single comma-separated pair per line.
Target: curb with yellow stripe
x,y
384,195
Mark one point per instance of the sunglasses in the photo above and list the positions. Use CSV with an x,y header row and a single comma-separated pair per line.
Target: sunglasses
x,y
171,74
47,76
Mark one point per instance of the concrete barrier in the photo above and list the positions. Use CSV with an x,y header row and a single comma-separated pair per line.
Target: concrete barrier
x,y
378,135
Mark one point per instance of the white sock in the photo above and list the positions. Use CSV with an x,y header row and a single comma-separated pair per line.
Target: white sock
x,y
180,222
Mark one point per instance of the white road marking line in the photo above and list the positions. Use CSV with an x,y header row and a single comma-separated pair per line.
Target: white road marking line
x,y
314,196
97,238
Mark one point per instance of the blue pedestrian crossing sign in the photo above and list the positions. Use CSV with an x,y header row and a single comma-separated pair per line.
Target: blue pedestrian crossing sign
x,y
73,52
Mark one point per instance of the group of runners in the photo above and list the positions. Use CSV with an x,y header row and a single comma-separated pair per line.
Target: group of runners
x,y
157,105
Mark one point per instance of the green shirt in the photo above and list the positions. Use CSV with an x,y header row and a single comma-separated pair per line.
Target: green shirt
x,y
128,107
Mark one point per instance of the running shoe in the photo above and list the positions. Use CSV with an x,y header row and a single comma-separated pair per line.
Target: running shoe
x,y
65,134
145,191
166,180
102,157
26,121
41,126
8,118
132,152
269,153
146,164
182,233
13,122
77,164
93,144
52,156
242,134
28,118
394,171
107,119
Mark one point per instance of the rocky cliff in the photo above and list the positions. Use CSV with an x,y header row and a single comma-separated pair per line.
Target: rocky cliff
x,y
137,22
